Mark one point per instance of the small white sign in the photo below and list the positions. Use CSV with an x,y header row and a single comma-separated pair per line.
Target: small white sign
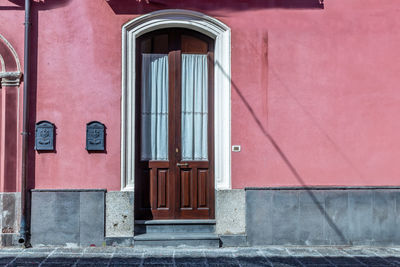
x,y
236,148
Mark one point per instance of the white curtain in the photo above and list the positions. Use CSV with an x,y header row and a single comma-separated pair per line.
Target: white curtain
x,y
194,107
154,111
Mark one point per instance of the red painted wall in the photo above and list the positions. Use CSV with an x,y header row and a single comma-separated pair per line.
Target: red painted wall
x,y
315,97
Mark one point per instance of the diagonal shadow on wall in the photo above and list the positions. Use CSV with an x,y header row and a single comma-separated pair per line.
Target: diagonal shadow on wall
x,y
285,159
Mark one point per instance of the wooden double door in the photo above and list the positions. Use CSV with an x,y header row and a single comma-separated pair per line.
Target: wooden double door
x,y
174,176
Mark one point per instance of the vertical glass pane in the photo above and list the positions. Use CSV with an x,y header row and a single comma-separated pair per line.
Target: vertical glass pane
x,y
194,107
154,110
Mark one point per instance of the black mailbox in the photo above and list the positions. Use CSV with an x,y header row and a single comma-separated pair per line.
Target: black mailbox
x,y
95,136
44,136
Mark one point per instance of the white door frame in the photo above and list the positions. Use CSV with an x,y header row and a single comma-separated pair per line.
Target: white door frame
x,y
222,87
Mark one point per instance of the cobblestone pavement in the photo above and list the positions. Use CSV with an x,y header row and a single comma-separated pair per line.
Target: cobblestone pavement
x,y
257,256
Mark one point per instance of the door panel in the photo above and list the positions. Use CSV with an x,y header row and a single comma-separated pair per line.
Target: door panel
x,y
162,191
186,189
162,188
202,194
196,191
174,176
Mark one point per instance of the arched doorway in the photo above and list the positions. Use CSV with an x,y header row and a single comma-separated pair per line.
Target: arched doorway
x,y
208,26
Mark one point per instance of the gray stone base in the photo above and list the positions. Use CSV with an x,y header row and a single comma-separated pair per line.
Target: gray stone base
x,y
119,214
233,240
9,240
230,212
323,216
10,207
119,241
67,217
82,218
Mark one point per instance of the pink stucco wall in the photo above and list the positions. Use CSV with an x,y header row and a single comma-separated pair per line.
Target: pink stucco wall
x,y
10,138
315,97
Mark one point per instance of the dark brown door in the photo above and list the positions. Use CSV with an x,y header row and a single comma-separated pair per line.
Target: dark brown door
x,y
174,163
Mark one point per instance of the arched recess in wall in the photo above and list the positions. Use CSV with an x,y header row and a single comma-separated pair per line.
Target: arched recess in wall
x,y
222,98
10,76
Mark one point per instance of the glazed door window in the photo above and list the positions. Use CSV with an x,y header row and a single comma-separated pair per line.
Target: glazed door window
x,y
154,108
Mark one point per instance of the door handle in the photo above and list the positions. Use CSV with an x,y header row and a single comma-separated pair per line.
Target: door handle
x,y
182,164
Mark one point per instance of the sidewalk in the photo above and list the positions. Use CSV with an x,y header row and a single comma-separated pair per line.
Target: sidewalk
x,y
257,256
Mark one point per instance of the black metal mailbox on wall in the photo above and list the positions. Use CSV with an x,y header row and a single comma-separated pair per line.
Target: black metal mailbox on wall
x,y
44,136
95,136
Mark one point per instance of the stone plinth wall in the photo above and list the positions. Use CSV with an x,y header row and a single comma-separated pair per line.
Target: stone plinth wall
x,y
10,208
67,217
335,216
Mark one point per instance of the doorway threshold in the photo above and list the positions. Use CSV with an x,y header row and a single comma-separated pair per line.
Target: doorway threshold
x,y
183,221
176,233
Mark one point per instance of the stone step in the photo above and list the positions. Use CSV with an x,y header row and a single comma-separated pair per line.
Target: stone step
x,y
174,226
177,240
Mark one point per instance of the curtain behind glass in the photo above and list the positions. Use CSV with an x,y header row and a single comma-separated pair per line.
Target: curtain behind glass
x,y
154,111
194,107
